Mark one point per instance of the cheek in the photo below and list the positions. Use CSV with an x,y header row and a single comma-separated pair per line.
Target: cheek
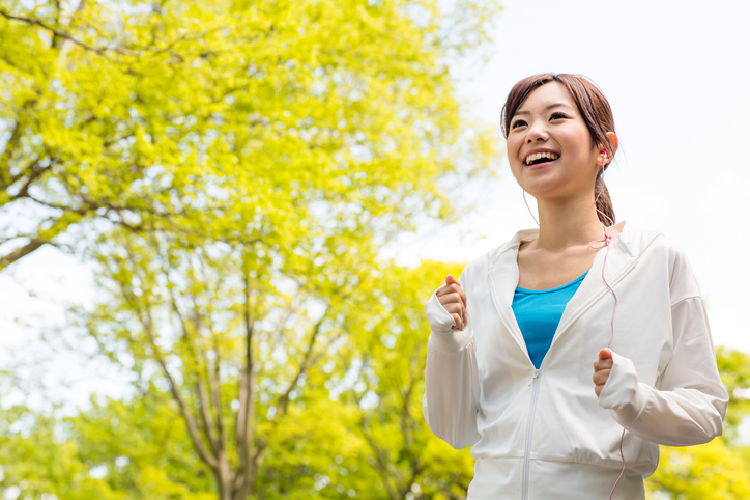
x,y
516,169
515,165
513,148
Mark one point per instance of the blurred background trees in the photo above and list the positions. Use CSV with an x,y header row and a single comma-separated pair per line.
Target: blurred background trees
x,y
230,170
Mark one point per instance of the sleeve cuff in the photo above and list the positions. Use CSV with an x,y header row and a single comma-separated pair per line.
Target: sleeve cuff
x,y
444,337
622,394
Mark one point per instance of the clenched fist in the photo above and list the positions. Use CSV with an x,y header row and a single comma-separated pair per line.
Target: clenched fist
x,y
453,300
602,367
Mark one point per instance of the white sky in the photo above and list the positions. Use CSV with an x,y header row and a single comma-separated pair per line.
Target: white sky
x,y
677,76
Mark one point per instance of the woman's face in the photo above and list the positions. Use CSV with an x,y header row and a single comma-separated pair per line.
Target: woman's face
x,y
549,147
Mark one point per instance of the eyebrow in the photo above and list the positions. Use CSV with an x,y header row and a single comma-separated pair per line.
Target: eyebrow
x,y
556,105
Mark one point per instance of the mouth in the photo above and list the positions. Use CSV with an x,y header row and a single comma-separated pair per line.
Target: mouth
x,y
541,159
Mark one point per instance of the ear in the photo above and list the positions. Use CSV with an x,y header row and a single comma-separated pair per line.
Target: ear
x,y
612,137
610,154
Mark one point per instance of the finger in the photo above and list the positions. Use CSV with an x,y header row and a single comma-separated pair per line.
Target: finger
x,y
605,354
453,298
444,289
460,292
455,308
450,290
459,321
450,279
603,364
601,377
598,390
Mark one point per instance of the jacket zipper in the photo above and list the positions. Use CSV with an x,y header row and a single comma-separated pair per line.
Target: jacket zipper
x,y
529,428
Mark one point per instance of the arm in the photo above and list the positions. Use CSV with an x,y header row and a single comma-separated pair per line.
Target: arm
x,y
690,404
451,398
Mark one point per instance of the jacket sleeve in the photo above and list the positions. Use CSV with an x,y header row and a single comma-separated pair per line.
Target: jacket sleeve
x,y
689,403
451,398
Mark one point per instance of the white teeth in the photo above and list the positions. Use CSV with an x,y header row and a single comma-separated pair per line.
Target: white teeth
x,y
539,156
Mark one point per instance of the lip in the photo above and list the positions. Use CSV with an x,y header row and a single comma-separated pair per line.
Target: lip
x,y
541,165
539,150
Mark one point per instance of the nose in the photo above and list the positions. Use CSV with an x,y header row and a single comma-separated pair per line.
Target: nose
x,y
536,131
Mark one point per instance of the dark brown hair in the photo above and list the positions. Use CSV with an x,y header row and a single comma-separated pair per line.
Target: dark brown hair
x,y
595,111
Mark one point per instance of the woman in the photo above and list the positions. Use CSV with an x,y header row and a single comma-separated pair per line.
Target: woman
x,y
576,340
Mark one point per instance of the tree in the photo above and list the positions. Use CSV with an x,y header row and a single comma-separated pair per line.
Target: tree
x,y
367,392
132,450
389,351
352,427
89,127
229,120
249,160
375,443
35,462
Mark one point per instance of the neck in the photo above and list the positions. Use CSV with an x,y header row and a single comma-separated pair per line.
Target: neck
x,y
568,223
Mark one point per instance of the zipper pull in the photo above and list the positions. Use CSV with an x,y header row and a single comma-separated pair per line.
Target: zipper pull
x,y
534,376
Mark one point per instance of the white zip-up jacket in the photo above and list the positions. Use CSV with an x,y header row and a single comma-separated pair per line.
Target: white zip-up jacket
x,y
544,434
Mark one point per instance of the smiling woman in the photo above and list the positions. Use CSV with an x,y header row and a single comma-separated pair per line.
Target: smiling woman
x,y
570,101
509,362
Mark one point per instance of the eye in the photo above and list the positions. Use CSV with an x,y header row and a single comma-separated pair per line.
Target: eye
x,y
518,123
557,115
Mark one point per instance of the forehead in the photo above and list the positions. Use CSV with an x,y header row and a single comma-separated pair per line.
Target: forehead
x,y
548,96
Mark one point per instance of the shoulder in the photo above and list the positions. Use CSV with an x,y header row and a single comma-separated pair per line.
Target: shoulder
x,y
656,249
644,243
649,244
480,266
476,268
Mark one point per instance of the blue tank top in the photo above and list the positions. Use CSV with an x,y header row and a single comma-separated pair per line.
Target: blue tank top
x,y
538,313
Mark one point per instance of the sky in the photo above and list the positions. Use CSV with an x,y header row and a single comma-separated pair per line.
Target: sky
x,y
677,75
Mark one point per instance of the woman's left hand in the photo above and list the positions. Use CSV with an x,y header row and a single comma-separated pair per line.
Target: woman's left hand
x,y
602,368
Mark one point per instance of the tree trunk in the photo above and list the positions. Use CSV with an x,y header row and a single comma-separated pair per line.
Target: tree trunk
x,y
225,476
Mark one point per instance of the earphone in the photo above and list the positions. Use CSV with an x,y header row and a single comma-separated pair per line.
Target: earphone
x,y
605,243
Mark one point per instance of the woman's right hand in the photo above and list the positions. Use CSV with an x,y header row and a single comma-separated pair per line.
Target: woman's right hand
x,y
453,300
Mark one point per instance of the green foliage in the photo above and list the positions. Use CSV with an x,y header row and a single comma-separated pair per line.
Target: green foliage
x,y
711,471
330,441
389,351
261,123
233,168
114,450
354,427
37,461
720,469
734,367
248,160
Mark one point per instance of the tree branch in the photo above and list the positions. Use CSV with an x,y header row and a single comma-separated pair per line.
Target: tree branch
x,y
303,367
15,135
380,462
102,51
34,172
407,428
246,415
202,394
19,253
59,33
283,401
209,459
215,384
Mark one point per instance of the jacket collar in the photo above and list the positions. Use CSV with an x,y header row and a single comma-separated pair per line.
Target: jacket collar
x,y
622,258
